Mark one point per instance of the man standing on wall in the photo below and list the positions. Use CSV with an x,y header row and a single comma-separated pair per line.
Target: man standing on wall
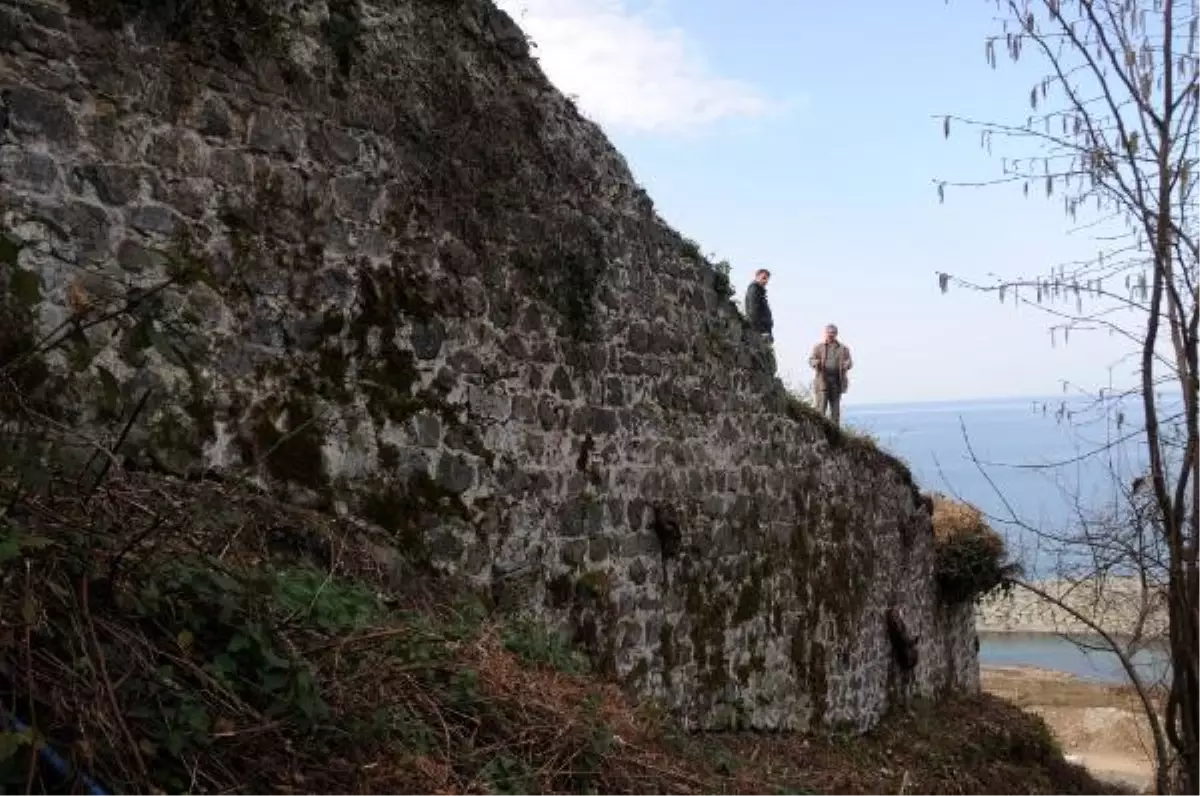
x,y
758,312
831,362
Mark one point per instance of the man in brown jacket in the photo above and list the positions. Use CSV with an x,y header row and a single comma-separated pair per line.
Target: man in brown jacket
x,y
830,361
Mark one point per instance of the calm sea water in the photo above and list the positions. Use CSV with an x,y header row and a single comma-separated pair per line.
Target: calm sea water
x,y
1035,458
1047,651
994,454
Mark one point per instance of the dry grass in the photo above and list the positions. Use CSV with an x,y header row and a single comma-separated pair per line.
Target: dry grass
x,y
953,520
175,636
971,556
167,635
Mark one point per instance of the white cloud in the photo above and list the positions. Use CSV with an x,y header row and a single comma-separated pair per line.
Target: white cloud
x,y
625,70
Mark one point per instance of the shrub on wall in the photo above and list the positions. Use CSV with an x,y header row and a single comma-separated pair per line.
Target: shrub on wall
x,y
971,558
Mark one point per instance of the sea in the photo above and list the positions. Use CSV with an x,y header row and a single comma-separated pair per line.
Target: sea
x,y
1038,462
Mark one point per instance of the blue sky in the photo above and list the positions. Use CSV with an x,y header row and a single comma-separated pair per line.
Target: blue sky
x,y
798,136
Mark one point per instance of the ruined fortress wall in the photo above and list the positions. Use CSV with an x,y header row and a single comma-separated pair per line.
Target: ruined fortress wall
x,y
368,255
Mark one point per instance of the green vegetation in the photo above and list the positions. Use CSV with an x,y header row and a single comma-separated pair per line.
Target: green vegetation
x,y
567,277
535,645
234,29
971,557
175,655
181,655
20,291
342,30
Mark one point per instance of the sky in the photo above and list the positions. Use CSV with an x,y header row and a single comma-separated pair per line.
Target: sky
x,y
806,137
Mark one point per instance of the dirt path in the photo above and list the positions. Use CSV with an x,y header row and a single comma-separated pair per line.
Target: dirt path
x,y
1099,726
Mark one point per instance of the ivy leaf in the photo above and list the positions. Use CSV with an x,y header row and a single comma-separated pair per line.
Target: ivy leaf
x,y
11,743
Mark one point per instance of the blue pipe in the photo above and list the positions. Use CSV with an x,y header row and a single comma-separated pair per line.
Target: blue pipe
x,y
52,757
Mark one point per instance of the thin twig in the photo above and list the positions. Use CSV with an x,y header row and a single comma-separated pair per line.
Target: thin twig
x,y
118,714
108,462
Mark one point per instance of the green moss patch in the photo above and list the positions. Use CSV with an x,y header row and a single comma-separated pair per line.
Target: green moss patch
x,y
286,437
234,29
407,505
707,605
20,293
237,652
567,276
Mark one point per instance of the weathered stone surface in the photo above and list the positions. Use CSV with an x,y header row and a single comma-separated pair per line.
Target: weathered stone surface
x,y
29,170
437,296
38,114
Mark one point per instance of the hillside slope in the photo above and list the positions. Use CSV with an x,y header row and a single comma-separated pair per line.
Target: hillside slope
x,y
364,254
166,636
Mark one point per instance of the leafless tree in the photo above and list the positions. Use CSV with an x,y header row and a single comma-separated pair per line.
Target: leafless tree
x,y
1112,133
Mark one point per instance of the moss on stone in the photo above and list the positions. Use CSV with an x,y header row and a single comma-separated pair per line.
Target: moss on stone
x,y
331,372
10,250
20,292
594,585
391,507
78,350
387,380
333,321
388,296
691,250
755,664
798,647
818,683
174,441
292,453
201,408
567,276
388,299
108,391
388,455
666,644
187,263
24,285
831,574
234,29
708,607
639,672
559,590
749,600
846,569
343,30
405,507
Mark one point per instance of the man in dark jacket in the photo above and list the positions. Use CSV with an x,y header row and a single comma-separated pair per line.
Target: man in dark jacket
x,y
758,312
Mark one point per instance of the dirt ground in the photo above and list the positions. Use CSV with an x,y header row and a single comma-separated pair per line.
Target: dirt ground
x,y
1099,726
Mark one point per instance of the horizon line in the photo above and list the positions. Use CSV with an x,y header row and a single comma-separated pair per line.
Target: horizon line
x,y
998,399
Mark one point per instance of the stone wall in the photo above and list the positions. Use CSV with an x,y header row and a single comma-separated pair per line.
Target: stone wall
x,y
366,254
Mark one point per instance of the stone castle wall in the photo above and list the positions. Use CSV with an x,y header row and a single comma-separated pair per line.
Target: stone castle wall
x,y
365,253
